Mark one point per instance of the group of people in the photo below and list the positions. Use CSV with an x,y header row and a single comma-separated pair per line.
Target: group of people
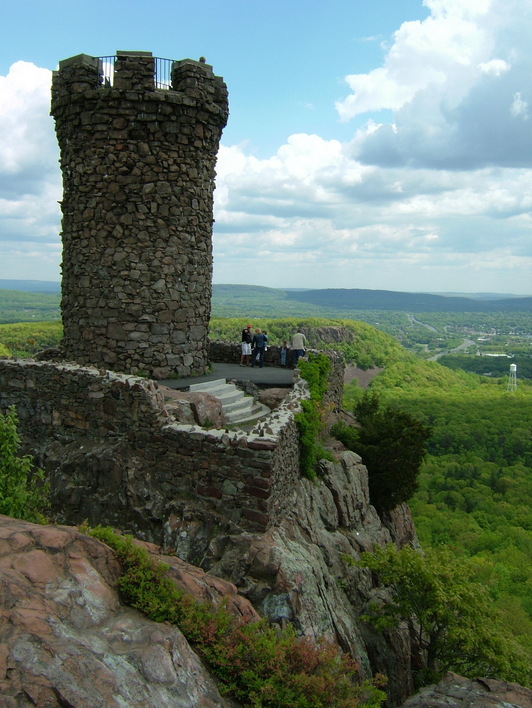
x,y
254,346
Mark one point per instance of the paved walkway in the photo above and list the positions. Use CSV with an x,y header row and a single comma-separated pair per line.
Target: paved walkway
x,y
270,376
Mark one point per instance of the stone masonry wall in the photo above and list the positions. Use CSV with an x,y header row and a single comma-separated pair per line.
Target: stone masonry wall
x,y
115,456
138,178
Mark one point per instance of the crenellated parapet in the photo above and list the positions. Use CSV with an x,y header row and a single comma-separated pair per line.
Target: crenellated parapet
x,y
138,155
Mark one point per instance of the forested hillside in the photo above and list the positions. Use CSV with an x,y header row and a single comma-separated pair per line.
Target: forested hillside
x,y
19,306
475,484
354,299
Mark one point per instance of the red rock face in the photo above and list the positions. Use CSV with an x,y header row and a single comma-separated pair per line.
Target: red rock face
x,y
66,639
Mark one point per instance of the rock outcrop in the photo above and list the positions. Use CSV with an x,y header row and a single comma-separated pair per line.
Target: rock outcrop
x,y
297,571
458,692
193,407
67,640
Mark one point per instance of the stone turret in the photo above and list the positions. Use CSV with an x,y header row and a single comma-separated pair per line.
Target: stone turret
x,y
138,159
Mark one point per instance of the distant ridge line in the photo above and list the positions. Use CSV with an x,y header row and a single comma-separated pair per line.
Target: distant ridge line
x,y
31,286
357,299
349,300
340,299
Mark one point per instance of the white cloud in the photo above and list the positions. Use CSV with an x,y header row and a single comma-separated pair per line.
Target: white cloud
x,y
494,67
455,83
30,184
519,107
423,55
24,136
312,216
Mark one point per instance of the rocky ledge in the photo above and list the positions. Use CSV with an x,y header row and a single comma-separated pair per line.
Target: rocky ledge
x,y
458,692
67,640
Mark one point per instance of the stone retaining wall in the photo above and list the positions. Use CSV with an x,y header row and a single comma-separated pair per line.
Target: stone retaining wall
x,y
115,455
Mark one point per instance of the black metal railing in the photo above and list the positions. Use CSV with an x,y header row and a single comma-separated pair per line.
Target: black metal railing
x,y
106,69
163,72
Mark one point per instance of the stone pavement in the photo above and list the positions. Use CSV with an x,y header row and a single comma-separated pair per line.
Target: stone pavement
x,y
268,376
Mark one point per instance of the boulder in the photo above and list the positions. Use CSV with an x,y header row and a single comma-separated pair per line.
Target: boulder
x,y
194,407
273,397
66,639
454,690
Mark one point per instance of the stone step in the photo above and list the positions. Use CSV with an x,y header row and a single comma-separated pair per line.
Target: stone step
x,y
243,404
237,406
258,410
225,392
208,385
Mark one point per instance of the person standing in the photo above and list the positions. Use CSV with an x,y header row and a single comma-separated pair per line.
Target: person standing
x,y
259,345
299,342
245,355
284,352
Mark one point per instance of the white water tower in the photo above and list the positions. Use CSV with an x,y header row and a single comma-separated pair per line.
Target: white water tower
x,y
512,380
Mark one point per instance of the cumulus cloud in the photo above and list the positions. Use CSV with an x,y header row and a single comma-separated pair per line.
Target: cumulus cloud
x,y
30,185
458,86
338,223
494,67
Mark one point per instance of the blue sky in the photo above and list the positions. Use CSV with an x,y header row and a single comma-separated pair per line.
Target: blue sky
x,y
382,145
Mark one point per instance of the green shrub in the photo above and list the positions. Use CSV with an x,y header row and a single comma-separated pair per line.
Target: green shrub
x,y
310,420
256,663
315,372
23,490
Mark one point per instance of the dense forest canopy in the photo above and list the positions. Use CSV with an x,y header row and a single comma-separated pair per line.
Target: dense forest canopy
x,y
475,484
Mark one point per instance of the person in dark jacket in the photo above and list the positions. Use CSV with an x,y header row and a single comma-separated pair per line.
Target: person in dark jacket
x,y
259,346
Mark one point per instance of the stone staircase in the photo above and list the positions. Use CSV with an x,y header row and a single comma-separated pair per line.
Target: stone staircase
x,y
238,408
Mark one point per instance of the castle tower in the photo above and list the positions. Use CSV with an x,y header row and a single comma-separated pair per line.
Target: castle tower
x,y
138,138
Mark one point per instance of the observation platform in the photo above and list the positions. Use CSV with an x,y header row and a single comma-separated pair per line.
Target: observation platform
x,y
267,377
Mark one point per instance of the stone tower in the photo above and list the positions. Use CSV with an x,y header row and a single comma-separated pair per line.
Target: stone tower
x,y
138,153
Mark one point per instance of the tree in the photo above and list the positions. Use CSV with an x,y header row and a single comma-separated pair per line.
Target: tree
x,y
449,612
392,446
23,490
